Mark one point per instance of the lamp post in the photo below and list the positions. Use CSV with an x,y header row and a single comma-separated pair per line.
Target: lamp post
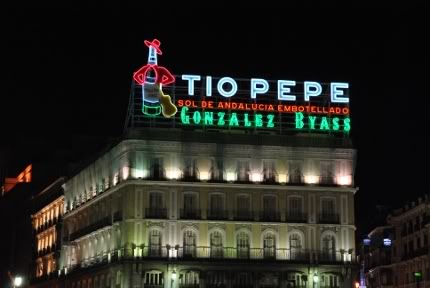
x,y
17,281
315,279
173,278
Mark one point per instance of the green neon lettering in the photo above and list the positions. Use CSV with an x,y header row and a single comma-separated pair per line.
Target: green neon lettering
x,y
185,119
197,117
221,121
258,120
209,118
324,124
246,120
312,121
335,123
346,124
299,120
233,120
270,122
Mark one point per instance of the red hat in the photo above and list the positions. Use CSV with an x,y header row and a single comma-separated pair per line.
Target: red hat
x,y
155,43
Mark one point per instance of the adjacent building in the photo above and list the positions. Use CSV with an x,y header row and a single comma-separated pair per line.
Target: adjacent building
x,y
397,254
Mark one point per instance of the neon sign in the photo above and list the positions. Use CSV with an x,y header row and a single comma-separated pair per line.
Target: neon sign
x,y
152,77
209,101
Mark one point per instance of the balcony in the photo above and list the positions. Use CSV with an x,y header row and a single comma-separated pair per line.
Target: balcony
x,y
156,213
217,176
157,173
327,181
295,179
217,214
190,174
416,253
330,257
329,218
104,222
270,216
190,214
243,215
297,217
269,177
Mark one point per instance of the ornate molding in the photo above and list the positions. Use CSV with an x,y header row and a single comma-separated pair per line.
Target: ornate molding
x,y
190,225
243,226
216,225
150,224
301,228
329,228
272,227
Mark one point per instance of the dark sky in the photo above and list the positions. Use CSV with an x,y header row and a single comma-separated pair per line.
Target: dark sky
x,y
68,72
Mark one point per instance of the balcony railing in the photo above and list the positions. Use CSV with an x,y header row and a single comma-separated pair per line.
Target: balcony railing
x,y
331,257
190,175
157,213
269,177
217,214
47,225
217,175
270,216
243,215
157,173
190,214
327,181
295,179
297,217
329,218
104,222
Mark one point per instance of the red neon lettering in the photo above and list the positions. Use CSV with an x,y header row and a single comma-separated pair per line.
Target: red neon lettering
x,y
301,109
345,110
180,103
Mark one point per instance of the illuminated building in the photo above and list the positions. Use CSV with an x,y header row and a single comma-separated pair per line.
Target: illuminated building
x,y
397,254
215,195
48,207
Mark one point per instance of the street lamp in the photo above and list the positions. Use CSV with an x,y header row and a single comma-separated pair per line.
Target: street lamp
x,y
17,281
174,275
315,278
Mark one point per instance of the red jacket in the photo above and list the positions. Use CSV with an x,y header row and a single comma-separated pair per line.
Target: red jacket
x,y
162,75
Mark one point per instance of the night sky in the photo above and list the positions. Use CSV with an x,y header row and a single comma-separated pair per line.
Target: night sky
x,y
68,73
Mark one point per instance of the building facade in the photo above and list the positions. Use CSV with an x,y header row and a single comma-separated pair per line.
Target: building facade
x,y
47,219
204,209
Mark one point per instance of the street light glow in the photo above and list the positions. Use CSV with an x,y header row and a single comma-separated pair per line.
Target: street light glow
x,y
17,281
315,278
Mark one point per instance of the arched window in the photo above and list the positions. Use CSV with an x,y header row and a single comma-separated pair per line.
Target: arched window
x,y
329,247
216,245
189,278
155,243
242,245
189,244
269,245
295,246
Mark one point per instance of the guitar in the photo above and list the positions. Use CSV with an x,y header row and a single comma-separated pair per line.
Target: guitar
x,y
153,94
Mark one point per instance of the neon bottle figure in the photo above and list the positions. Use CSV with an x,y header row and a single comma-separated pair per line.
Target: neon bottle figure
x,y
152,77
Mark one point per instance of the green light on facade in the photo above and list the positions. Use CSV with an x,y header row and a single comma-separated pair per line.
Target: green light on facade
x,y
184,117
233,120
209,118
246,120
346,124
270,122
335,122
258,120
312,120
221,121
197,117
299,120
324,124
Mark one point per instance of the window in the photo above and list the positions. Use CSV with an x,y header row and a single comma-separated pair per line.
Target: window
x,y
243,204
216,245
157,171
190,170
269,245
216,172
189,278
329,247
217,207
295,246
270,210
243,171
242,245
327,173
295,175
155,243
328,212
189,244
156,206
154,279
190,206
269,172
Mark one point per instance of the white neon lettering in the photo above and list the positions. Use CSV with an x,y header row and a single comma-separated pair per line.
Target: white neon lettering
x,y
335,92
221,90
208,85
283,90
263,87
312,89
191,79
